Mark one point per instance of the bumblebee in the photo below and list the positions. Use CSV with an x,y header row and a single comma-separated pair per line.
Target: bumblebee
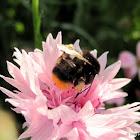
x,y
74,69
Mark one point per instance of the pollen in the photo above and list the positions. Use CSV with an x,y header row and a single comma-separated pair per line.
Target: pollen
x,y
79,86
61,84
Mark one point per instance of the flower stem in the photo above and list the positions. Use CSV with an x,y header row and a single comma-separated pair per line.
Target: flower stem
x,y
36,23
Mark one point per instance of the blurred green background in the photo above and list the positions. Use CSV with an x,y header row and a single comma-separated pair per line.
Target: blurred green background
x,y
105,25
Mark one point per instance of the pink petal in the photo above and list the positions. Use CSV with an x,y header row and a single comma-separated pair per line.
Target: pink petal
x,y
30,74
117,101
20,86
138,50
102,121
42,130
108,135
111,71
50,40
103,60
87,109
119,83
15,72
9,93
55,114
125,137
122,108
128,60
18,56
77,47
113,94
23,64
68,115
134,128
41,101
11,69
64,129
130,72
72,135
14,102
59,38
94,53
105,133
50,53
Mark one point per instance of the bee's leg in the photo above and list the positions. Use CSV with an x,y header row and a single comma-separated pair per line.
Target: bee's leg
x,y
79,84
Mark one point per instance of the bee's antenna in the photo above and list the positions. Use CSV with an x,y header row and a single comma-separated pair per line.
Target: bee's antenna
x,y
82,91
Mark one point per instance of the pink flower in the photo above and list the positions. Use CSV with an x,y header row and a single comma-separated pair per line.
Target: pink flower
x,y
111,124
131,63
116,101
53,114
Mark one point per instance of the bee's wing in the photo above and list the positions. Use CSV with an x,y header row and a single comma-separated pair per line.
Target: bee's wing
x,y
69,49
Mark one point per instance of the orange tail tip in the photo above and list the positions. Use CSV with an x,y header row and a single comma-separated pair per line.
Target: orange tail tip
x,y
61,84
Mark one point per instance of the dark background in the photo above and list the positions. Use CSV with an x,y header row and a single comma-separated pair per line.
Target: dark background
x,y
105,25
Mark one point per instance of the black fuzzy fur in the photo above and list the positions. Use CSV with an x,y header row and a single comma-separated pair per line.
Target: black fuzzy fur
x,y
76,70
